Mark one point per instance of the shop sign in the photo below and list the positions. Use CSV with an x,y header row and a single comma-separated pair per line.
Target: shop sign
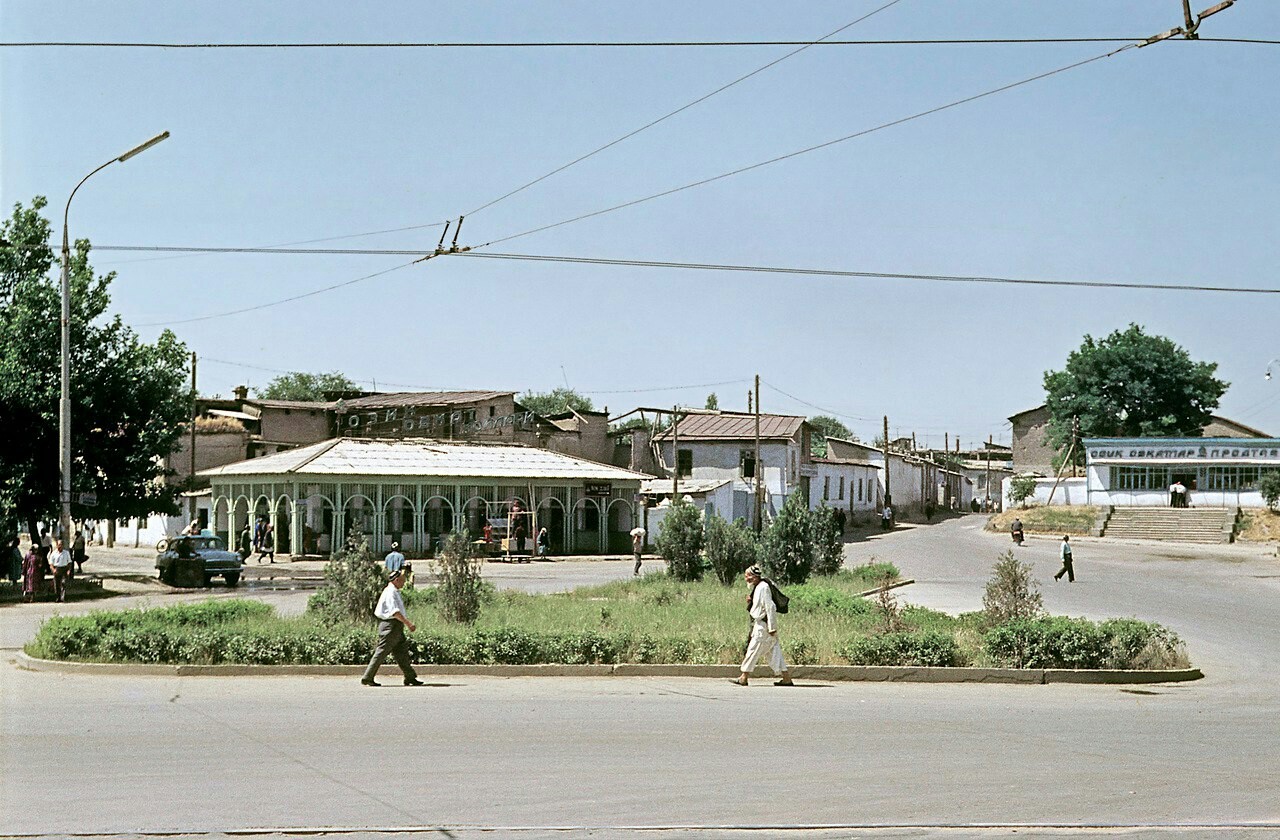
x,y
442,423
598,489
1186,453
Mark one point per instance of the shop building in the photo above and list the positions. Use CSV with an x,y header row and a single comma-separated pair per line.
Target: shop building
x,y
416,490
1217,471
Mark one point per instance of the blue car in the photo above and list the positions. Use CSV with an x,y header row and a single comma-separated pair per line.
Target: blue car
x,y
197,558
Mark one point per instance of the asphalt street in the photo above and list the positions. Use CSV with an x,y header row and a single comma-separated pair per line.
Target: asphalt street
x,y
604,757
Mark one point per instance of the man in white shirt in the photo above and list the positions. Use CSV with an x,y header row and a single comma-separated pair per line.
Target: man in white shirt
x,y
391,623
60,560
764,631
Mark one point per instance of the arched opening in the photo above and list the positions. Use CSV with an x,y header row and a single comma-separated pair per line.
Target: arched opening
x,y
585,536
551,516
318,522
358,514
241,527
220,520
438,521
282,521
621,521
397,524
475,514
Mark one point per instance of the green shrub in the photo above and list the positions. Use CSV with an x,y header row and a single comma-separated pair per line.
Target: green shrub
x,y
1021,488
815,598
1012,593
680,541
461,589
927,648
353,582
828,541
788,544
1056,642
1269,487
1143,645
731,548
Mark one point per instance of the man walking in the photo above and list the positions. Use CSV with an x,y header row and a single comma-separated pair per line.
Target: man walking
x,y
637,546
394,559
391,639
886,518
60,562
764,630
1066,561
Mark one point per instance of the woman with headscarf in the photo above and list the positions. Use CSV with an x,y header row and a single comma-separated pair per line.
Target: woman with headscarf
x,y
32,573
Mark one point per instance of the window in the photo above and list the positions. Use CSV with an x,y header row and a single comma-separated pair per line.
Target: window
x,y
492,410
859,489
826,488
747,460
1232,479
469,416
1139,478
684,462
840,498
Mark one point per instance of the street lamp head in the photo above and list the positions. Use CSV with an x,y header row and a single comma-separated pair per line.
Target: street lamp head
x,y
137,150
1267,375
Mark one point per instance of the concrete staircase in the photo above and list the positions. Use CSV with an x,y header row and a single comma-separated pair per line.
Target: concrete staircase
x,y
1194,525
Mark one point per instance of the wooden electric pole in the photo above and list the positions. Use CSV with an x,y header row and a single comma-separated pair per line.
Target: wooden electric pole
x,y
987,483
759,468
888,497
675,454
191,482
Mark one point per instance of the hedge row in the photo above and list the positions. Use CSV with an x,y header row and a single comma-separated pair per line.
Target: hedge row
x,y
1059,642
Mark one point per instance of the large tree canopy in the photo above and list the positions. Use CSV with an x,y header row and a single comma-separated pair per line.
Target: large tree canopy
x,y
1130,384
825,426
306,386
557,401
129,400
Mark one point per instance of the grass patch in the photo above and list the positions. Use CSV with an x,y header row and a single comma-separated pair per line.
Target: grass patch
x,y
653,619
1056,519
1259,525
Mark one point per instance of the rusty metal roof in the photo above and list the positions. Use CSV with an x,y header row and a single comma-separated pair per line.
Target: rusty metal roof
x,y
422,458
423,398
735,425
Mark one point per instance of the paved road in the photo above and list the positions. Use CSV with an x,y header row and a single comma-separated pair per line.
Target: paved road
x,y
212,754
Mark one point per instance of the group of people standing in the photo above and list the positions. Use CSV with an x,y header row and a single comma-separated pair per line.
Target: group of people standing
x,y
47,558
262,540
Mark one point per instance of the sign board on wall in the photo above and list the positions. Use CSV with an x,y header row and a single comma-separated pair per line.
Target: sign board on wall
x,y
431,423
598,489
1246,450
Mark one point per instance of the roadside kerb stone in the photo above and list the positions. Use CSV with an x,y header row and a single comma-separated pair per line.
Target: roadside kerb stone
x,y
818,673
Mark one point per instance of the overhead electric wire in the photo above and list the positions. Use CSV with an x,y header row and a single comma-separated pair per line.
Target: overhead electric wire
x,y
269,304
894,275
864,132
833,412
870,42
682,108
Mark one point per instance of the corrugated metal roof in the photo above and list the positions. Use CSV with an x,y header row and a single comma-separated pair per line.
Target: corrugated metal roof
x,y
730,425
314,405
417,457
423,398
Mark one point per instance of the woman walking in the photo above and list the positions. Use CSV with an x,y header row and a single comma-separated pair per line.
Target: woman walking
x,y
32,573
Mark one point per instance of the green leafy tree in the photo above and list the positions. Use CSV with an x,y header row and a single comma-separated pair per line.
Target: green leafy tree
x,y
462,588
1021,488
828,540
680,541
306,387
353,582
556,401
1012,592
731,548
713,402
788,544
1269,486
129,400
1130,384
825,426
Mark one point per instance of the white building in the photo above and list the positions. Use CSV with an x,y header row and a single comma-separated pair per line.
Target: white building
x,y
1217,472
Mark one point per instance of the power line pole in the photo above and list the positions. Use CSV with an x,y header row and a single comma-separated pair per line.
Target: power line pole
x,y
987,502
675,454
759,469
191,482
887,495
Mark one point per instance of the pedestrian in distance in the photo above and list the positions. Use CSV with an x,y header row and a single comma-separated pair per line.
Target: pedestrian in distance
x,y
267,544
33,566
637,546
60,563
764,630
245,547
46,543
78,555
13,556
1015,530
886,518
192,529
544,542
394,559
1066,569
392,622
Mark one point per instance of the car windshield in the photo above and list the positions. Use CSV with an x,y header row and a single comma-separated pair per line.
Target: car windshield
x,y
198,543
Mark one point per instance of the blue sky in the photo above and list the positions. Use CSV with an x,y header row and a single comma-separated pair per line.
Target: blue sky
x,y
1157,165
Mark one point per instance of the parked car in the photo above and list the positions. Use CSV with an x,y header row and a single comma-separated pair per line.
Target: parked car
x,y
186,560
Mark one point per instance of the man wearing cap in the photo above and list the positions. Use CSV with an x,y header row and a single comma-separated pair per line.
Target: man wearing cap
x,y
391,623
394,559
764,630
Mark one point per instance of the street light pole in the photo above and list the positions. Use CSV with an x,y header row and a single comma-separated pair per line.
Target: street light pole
x,y
64,402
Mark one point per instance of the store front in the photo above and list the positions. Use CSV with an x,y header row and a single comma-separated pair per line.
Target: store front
x,y
416,492
1216,472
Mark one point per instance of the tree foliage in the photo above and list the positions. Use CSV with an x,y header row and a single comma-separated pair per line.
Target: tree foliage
x,y
1012,594
555,401
788,545
828,540
462,588
713,402
129,400
1021,488
1269,487
825,426
680,541
1130,384
731,548
353,582
306,387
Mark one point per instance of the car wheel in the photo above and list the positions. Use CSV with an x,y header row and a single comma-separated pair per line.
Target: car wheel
x,y
232,578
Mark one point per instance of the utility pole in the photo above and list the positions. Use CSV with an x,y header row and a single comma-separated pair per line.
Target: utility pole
x,y
887,495
1190,28
191,483
946,477
675,454
987,502
759,468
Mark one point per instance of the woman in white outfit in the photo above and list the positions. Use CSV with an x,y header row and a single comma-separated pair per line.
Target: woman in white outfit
x,y
764,630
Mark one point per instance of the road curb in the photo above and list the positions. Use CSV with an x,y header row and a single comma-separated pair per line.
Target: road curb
x,y
820,673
